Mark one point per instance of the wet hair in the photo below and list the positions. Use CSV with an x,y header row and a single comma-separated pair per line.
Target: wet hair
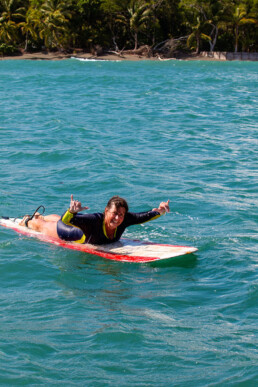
x,y
118,202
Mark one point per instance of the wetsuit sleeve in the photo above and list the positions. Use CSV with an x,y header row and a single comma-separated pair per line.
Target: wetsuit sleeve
x,y
141,217
67,217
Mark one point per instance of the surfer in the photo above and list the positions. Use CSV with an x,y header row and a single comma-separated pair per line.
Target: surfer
x,y
97,228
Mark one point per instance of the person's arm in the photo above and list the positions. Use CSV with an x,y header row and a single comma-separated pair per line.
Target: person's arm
x,y
142,217
67,217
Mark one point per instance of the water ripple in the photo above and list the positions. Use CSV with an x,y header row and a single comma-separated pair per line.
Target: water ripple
x,y
148,131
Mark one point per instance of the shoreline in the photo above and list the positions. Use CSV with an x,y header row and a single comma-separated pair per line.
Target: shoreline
x,y
55,56
132,56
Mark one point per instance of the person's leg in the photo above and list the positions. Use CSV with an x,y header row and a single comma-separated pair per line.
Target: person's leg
x,y
65,232
70,233
48,218
40,225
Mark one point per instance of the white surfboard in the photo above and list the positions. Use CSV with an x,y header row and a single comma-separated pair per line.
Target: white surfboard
x,y
125,250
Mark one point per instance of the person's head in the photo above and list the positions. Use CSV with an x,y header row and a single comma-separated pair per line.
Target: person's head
x,y
115,211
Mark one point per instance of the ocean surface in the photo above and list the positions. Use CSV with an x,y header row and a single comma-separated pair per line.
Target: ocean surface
x,y
148,131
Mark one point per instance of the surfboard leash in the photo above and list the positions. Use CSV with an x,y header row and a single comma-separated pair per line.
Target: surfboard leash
x,y
32,216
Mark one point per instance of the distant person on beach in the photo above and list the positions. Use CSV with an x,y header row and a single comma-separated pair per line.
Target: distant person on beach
x,y
97,228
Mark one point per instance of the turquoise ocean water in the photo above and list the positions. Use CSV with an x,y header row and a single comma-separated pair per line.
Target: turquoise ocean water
x,y
148,131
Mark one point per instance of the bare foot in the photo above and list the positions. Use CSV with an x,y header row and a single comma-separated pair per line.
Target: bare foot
x,y
38,216
22,223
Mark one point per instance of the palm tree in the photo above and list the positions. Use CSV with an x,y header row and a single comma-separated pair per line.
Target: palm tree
x,y
31,25
197,35
240,18
54,23
8,30
139,14
115,13
8,26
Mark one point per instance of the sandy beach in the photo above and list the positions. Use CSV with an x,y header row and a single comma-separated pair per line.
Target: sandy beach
x,y
130,55
105,56
60,56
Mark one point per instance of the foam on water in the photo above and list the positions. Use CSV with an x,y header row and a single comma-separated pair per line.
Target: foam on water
x,y
93,60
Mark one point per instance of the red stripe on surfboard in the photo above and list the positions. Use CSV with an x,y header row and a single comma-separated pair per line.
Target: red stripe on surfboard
x,y
84,247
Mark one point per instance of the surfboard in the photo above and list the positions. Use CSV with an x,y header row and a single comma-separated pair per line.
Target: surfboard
x,y
125,250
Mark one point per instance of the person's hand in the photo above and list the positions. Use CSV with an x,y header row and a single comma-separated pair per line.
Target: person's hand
x,y
76,206
163,208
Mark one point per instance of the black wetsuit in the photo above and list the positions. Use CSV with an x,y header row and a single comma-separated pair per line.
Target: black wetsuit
x,y
90,228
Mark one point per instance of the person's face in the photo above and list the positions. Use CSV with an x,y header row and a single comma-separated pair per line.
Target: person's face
x,y
114,216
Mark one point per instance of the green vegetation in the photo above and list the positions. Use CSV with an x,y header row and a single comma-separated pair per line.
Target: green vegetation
x,y
210,25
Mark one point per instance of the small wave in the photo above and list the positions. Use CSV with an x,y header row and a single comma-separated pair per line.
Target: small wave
x,y
94,60
5,244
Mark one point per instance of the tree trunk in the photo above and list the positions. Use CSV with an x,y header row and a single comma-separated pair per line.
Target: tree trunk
x,y
115,43
26,42
213,42
135,41
198,44
236,41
